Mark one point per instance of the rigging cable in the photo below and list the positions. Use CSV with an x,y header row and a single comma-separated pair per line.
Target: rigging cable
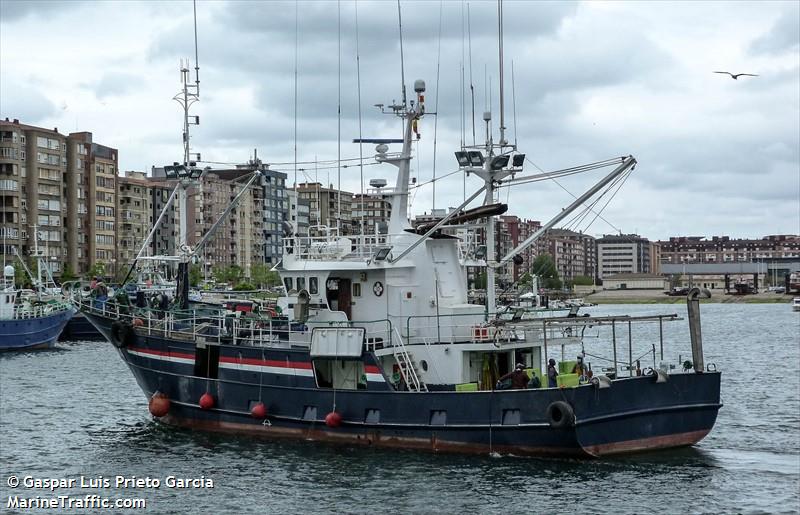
x,y
570,193
339,117
436,104
296,45
360,144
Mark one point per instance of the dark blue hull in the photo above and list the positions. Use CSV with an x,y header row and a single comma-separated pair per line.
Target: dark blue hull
x,y
634,414
79,328
33,333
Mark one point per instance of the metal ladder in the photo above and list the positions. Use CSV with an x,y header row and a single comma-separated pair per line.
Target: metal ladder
x,y
408,368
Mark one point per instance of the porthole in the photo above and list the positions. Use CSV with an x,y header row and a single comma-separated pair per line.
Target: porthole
x,y
424,365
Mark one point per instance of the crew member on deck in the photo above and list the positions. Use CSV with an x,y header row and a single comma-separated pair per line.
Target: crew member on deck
x,y
519,378
579,367
552,373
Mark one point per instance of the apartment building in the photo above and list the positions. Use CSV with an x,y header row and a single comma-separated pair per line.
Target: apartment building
x,y
98,182
723,249
623,254
134,215
372,211
297,213
33,162
251,233
327,206
573,253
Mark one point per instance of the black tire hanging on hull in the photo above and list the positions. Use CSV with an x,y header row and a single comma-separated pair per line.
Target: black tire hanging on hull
x,y
560,415
122,334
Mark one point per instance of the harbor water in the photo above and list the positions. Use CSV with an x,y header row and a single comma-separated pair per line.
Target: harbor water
x,y
77,411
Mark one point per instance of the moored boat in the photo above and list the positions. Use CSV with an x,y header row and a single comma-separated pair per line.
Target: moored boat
x,y
29,322
379,345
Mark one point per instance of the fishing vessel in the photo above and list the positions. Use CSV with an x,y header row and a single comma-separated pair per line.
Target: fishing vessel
x,y
31,319
378,345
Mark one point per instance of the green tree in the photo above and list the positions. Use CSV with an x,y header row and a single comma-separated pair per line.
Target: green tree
x,y
97,270
480,281
68,274
525,281
544,267
195,275
582,280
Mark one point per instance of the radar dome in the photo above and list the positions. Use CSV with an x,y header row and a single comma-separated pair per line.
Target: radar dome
x,y
8,271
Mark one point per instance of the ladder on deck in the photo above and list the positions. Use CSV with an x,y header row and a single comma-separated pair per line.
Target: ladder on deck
x,y
408,368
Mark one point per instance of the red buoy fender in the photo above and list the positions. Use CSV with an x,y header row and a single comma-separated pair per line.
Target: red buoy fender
x,y
206,401
259,411
333,419
158,404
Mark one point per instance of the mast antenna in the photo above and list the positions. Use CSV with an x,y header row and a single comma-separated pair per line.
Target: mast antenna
x,y
196,58
471,84
402,61
503,141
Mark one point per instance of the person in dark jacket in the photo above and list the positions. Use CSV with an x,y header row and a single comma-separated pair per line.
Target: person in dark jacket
x,y
552,373
519,378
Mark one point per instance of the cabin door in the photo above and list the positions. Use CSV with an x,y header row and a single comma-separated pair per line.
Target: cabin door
x,y
339,295
345,297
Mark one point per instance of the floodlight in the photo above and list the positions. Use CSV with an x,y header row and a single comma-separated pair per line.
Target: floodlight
x,y
475,158
195,173
382,254
462,158
518,160
499,162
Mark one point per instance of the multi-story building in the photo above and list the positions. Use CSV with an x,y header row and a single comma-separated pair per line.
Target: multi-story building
x,y
275,213
165,236
623,254
33,162
134,215
297,213
99,182
372,211
327,206
723,249
253,230
572,253
510,231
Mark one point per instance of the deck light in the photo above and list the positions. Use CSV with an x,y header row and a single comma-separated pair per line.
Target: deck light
x,y
382,254
499,162
475,158
518,160
462,158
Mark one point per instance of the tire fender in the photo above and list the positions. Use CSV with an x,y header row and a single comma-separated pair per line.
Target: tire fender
x,y
560,415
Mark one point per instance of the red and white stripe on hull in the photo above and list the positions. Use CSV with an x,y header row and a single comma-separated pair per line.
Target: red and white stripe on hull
x,y
173,357
265,366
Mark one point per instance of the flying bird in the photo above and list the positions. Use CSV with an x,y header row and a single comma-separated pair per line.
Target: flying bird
x,y
735,76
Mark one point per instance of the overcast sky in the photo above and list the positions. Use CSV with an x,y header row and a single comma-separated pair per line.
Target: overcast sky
x,y
592,81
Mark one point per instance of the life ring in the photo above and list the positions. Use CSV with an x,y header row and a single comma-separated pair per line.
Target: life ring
x,y
560,415
122,334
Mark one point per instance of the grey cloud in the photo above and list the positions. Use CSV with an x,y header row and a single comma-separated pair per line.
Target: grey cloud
x,y
115,83
784,36
12,10
24,102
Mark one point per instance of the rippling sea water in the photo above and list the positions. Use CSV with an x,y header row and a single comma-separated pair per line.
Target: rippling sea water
x,y
77,411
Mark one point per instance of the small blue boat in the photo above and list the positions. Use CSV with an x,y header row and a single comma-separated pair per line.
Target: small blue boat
x,y
29,323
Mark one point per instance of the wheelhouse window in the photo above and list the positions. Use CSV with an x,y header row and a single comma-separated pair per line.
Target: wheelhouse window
x,y
356,289
287,281
301,283
313,285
